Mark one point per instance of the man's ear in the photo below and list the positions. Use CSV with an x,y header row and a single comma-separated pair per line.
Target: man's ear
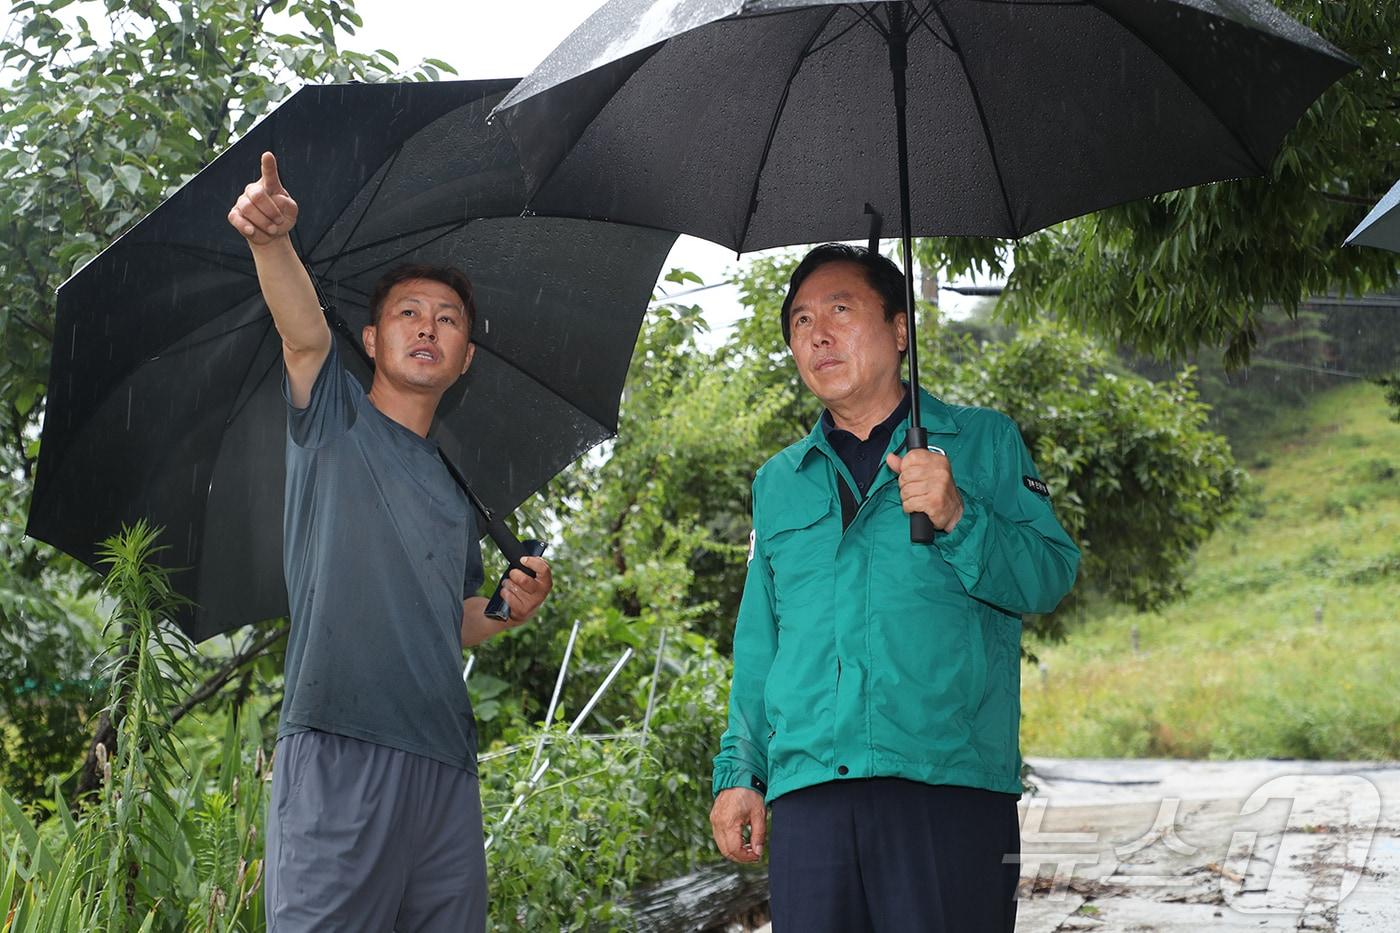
x,y
466,363
901,331
368,335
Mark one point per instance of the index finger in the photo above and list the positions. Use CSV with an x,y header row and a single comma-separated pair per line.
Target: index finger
x,y
271,182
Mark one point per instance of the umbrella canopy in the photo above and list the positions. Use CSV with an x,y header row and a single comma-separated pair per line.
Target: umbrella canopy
x,y
165,385
1381,228
761,123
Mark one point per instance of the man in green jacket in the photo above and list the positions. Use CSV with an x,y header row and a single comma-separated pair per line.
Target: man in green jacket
x,y
876,694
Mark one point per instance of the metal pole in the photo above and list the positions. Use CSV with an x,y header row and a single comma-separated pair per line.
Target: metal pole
x,y
598,694
554,700
538,773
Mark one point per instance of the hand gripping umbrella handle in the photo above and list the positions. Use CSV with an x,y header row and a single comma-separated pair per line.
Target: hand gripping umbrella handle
x,y
920,525
498,607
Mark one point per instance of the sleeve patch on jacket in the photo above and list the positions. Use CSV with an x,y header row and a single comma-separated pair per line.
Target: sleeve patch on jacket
x,y
1036,486
753,536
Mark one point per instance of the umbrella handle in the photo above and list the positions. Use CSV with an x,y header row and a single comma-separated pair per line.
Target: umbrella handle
x,y
513,549
920,525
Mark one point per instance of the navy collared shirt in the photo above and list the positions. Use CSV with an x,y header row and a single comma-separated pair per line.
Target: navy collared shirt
x,y
863,457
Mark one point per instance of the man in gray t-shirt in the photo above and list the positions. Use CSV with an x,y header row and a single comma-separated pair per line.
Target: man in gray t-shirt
x,y
375,818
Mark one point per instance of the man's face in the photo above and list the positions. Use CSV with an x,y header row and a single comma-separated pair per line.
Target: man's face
x,y
420,342
843,345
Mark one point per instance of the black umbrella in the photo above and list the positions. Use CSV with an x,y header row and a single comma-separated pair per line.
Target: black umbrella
x,y
165,387
1381,228
760,123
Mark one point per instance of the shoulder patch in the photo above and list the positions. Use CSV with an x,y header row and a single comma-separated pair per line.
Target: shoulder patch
x,y
753,536
1036,486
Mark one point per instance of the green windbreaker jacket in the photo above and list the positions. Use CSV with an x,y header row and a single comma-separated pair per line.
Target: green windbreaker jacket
x,y
858,654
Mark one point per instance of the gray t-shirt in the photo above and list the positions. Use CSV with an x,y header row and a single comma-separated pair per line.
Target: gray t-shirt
x,y
380,550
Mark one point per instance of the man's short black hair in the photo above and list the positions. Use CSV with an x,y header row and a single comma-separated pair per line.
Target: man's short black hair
x,y
881,274
450,276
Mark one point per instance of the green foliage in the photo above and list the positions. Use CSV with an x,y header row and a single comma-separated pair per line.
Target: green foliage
x,y
610,815
1137,477
1391,385
171,842
1285,645
1322,346
1197,267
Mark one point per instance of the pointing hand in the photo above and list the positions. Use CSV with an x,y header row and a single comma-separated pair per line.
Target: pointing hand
x,y
265,211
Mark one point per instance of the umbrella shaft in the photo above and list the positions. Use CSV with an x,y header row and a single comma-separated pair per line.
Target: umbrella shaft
x,y
899,59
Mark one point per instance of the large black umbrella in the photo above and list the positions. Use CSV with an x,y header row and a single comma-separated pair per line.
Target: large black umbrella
x,y
165,387
1381,227
760,123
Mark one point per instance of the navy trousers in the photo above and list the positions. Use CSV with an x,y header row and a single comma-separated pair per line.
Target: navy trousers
x,y
892,856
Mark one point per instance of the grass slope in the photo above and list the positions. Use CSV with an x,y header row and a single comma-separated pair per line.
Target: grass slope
x,y
1288,642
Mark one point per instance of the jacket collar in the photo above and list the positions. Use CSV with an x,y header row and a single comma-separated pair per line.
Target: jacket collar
x,y
936,415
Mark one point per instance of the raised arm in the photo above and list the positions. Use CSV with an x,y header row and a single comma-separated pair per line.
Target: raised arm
x,y
264,215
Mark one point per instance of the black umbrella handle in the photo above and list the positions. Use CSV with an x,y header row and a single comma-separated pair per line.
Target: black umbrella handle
x,y
498,607
920,525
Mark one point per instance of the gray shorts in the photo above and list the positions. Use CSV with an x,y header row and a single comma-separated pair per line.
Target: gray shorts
x,y
361,837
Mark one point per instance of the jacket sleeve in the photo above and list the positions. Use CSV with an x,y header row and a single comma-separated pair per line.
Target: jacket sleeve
x,y
1010,550
743,750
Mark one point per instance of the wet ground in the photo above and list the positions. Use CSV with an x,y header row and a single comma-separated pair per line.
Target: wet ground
x,y
1182,845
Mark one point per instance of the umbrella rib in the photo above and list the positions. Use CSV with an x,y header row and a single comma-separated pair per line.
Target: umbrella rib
x,y
260,319
450,228
865,12
1259,168
921,19
773,124
956,48
813,51
510,361
446,227
383,177
241,400
199,252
